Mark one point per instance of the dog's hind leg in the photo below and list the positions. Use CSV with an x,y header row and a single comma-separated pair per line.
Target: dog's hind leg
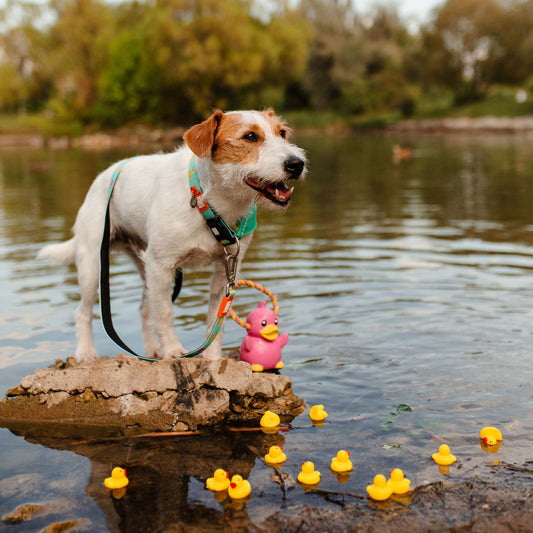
x,y
88,269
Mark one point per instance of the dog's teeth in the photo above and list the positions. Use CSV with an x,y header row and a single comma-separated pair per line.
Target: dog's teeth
x,y
278,195
291,189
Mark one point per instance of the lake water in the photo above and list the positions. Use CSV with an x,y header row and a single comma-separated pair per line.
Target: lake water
x,y
407,292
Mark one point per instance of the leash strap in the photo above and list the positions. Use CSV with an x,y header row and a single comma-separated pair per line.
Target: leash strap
x,y
105,300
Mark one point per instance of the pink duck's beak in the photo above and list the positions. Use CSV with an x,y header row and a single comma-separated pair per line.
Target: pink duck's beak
x,y
270,332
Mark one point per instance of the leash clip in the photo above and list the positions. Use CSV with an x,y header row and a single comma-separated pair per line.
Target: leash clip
x,y
231,264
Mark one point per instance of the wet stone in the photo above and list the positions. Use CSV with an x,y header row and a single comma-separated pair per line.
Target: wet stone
x,y
23,513
128,392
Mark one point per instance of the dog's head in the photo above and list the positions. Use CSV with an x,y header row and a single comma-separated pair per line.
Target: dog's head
x,y
252,153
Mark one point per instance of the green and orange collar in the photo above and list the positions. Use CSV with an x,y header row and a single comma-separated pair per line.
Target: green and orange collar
x,y
222,232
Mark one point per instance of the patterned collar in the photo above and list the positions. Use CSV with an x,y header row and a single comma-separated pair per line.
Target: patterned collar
x,y
222,232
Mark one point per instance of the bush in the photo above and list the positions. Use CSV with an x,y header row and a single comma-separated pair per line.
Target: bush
x,y
127,88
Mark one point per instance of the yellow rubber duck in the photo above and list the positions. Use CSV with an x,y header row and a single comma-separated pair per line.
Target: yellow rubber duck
x,y
490,435
219,481
239,488
117,480
379,490
269,420
341,462
443,456
317,413
275,455
397,482
308,475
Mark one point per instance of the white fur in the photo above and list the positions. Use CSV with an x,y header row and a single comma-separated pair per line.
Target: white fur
x,y
151,201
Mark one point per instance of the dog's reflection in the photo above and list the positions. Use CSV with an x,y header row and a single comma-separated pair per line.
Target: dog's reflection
x,y
166,490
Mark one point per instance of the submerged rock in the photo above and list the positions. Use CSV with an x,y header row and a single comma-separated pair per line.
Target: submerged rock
x,y
23,513
168,395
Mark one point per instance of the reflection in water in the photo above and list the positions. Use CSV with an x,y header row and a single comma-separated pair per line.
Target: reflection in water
x,y
167,474
399,284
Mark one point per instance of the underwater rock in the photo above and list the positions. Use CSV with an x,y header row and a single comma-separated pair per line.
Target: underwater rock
x,y
23,513
168,395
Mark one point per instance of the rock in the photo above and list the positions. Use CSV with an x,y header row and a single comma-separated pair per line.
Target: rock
x,y
68,525
169,395
23,513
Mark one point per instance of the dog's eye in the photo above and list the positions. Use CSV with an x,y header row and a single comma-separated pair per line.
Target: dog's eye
x,y
250,137
283,133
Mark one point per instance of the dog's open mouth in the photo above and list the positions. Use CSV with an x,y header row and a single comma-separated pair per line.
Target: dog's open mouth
x,y
278,193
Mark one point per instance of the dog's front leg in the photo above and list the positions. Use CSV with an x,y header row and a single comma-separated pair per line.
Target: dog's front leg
x,y
216,293
158,287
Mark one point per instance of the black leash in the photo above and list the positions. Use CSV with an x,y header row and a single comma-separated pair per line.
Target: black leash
x,y
223,232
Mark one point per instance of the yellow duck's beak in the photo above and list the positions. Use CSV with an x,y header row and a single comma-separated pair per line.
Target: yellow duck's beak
x,y
270,332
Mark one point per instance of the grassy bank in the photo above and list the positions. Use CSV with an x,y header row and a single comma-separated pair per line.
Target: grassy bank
x,y
501,102
38,124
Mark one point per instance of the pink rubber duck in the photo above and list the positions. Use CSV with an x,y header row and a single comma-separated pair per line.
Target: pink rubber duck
x,y
262,346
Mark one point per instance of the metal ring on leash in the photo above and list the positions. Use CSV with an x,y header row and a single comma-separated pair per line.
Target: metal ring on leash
x,y
259,287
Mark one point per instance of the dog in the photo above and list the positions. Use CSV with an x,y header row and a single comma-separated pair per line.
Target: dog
x,y
242,157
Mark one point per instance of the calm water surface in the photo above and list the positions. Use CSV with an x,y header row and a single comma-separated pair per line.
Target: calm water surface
x,y
407,292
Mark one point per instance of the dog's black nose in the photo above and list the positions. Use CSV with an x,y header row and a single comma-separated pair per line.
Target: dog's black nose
x,y
294,166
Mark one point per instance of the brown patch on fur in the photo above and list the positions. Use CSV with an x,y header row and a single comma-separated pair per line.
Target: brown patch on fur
x,y
201,138
231,145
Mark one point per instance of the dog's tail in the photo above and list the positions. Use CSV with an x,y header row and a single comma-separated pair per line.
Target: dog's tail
x,y
64,252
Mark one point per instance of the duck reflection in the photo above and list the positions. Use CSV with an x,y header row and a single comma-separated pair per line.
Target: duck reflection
x,y
165,474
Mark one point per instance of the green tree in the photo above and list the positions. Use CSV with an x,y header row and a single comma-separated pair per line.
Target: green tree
x,y
78,45
335,57
127,89
25,84
463,46
214,53
515,63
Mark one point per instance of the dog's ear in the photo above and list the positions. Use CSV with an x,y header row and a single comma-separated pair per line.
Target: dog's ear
x,y
201,138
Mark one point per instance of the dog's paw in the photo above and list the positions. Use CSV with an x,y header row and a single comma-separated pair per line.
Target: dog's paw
x,y
173,351
152,350
212,354
83,356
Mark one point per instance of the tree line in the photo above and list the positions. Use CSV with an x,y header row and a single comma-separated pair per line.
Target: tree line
x,y
173,61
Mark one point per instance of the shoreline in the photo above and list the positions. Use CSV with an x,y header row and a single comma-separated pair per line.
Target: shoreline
x,y
490,124
139,136
142,136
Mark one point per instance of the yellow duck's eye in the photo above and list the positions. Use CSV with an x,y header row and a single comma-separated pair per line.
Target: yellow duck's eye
x,y
264,323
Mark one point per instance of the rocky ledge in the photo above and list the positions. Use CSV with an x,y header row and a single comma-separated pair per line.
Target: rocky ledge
x,y
169,395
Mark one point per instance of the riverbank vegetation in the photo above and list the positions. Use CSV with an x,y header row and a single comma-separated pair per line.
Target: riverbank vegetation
x,y
73,65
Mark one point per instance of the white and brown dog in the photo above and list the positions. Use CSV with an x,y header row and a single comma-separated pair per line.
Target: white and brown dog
x,y
242,157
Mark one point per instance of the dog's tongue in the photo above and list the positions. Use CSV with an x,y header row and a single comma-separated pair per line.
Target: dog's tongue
x,y
280,190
